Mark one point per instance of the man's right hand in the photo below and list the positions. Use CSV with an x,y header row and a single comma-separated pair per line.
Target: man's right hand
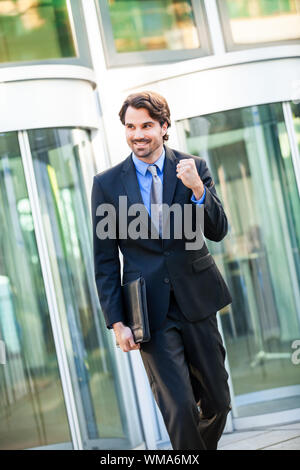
x,y
124,337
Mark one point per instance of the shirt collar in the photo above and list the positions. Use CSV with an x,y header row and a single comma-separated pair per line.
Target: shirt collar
x,y
142,167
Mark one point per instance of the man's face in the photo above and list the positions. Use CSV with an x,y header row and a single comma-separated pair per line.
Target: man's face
x,y
144,134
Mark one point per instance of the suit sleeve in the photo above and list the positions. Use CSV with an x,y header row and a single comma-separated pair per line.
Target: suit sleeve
x,y
215,220
106,265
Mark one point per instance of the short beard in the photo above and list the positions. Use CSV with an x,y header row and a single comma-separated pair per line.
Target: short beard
x,y
148,155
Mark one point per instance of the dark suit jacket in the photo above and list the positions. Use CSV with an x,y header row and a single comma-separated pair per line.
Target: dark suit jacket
x,y
198,285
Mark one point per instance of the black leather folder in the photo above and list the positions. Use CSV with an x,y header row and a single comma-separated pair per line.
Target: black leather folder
x,y
135,308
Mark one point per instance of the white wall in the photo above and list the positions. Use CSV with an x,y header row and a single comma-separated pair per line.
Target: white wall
x,y
38,102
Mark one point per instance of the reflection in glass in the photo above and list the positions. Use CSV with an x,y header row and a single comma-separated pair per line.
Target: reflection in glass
x,y
58,158
32,408
263,21
35,30
143,25
249,155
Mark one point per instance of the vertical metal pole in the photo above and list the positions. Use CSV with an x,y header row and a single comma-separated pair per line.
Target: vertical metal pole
x,y
215,28
2,352
144,400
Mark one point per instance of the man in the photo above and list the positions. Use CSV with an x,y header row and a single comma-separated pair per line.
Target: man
x,y
184,358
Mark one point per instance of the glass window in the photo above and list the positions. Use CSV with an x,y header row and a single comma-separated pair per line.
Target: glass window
x,y
38,30
248,23
249,155
150,26
32,407
59,155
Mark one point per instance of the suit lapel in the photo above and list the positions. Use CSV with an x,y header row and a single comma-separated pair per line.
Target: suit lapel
x,y
170,179
130,182
170,176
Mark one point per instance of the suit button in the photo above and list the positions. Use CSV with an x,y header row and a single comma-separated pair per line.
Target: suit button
x,y
166,253
166,280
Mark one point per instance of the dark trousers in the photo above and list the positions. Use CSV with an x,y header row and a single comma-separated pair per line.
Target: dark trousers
x,y
184,362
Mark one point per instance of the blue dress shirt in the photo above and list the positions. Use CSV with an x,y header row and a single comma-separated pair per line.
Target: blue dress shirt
x,y
145,178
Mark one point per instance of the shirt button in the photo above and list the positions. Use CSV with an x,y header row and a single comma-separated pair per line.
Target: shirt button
x,y
166,280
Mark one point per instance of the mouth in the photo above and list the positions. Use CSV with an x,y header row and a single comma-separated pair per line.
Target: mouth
x,y
141,144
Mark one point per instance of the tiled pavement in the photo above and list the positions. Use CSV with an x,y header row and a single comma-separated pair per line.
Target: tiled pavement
x,y
286,437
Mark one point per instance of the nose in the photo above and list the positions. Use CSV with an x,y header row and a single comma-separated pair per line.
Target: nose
x,y
138,134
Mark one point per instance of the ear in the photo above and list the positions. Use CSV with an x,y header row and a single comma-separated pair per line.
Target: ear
x,y
164,127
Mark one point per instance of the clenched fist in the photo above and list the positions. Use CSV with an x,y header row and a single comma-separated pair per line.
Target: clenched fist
x,y
187,172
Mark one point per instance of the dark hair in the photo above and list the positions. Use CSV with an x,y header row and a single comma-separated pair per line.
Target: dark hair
x,y
156,105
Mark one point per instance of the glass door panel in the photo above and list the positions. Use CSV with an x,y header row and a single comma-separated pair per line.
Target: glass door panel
x,y
32,407
57,157
248,153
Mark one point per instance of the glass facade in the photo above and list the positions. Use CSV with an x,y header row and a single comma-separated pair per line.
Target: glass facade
x,y
57,158
32,30
249,155
32,407
149,31
253,22
143,25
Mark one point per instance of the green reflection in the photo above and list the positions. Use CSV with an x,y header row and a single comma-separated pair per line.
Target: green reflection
x,y
248,153
262,21
144,25
244,8
35,30
32,408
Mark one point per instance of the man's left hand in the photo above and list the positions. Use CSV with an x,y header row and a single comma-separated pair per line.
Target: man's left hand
x,y
187,172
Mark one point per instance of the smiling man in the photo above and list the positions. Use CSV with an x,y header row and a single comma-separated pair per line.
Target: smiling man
x,y
144,135
184,358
